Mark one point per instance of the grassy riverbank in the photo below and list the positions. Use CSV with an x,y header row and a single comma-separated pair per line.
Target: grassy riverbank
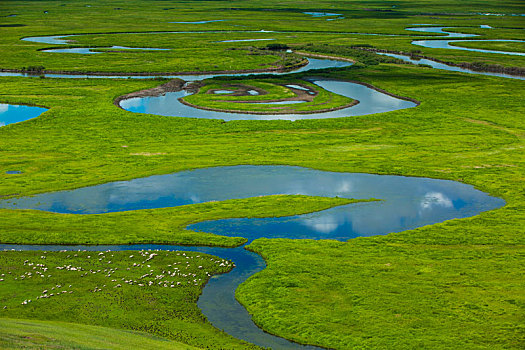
x,y
501,46
199,46
154,292
160,226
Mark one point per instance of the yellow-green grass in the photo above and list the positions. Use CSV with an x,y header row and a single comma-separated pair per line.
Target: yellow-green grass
x,y
33,334
138,291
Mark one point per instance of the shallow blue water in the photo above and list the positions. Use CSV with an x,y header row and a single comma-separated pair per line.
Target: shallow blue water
x,y
418,201
201,22
322,14
446,44
87,50
440,30
10,114
242,40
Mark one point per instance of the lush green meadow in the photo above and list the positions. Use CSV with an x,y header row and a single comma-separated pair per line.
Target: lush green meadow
x,y
458,284
109,21
144,291
31,334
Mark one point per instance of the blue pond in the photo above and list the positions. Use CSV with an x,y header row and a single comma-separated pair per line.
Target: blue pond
x,y
10,114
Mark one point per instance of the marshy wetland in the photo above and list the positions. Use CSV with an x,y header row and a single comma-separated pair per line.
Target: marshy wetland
x,y
268,180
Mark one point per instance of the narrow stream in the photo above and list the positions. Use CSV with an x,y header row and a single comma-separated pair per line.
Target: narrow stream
x,y
446,43
439,65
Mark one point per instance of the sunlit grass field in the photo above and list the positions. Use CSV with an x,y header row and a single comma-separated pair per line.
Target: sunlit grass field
x,y
458,284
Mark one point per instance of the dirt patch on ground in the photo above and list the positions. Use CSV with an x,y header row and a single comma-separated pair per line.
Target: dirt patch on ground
x,y
315,55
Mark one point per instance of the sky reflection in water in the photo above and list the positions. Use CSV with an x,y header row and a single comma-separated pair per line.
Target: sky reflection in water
x,y
407,202
10,114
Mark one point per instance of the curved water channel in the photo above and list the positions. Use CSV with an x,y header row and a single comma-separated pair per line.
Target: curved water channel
x,y
443,66
370,101
422,28
405,203
457,38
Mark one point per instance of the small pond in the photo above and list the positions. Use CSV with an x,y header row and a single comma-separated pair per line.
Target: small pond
x,y
10,114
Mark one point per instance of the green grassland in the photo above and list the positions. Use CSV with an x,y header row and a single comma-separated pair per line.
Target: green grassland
x,y
145,291
392,292
32,334
457,284
324,100
471,131
203,52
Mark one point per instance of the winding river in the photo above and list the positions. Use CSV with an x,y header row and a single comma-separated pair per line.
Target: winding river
x,y
370,101
405,202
